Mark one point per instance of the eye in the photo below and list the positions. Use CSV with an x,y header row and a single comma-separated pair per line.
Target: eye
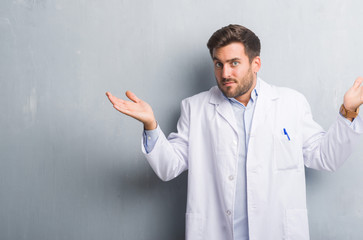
x,y
235,63
218,65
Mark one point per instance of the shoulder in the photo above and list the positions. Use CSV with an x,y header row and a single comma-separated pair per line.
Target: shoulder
x,y
200,104
286,92
282,92
202,97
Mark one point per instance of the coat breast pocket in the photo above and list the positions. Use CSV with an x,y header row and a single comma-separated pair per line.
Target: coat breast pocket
x,y
287,153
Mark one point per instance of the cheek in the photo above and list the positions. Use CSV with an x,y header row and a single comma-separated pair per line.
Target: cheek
x,y
217,74
241,73
236,73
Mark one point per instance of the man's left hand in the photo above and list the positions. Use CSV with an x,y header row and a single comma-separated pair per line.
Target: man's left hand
x,y
353,98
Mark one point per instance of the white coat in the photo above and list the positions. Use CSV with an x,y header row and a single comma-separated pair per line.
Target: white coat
x,y
206,144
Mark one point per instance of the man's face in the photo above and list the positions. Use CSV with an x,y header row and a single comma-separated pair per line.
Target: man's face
x,y
234,73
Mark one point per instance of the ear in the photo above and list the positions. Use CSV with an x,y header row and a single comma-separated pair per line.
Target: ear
x,y
256,64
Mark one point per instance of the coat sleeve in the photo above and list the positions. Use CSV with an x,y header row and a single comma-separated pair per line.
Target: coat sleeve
x,y
328,150
169,157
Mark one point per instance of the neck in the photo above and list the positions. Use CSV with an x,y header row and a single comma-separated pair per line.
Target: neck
x,y
245,98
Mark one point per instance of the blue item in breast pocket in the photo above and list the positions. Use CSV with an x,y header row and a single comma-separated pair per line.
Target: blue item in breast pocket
x,y
287,135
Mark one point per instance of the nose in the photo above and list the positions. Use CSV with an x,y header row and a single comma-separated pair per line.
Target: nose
x,y
226,71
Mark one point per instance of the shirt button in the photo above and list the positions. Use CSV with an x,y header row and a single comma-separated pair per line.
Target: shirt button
x,y
148,137
231,177
235,142
228,212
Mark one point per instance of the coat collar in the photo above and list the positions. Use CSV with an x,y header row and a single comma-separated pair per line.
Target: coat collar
x,y
266,95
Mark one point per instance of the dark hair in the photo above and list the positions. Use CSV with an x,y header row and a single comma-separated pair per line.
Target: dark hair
x,y
236,33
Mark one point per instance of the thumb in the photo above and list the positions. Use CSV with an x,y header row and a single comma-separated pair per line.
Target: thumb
x,y
132,96
358,82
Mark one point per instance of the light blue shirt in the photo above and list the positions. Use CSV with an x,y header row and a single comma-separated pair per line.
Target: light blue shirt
x,y
150,138
244,116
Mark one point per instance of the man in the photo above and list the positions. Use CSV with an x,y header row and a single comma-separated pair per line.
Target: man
x,y
245,144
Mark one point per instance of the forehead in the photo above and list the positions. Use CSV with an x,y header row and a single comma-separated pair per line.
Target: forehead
x,y
230,51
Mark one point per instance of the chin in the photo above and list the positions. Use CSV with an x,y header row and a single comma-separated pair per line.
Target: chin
x,y
228,91
229,94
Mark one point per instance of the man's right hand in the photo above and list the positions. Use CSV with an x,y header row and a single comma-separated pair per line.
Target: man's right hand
x,y
135,108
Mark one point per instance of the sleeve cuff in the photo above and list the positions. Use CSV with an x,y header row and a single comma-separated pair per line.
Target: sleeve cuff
x,y
356,125
150,137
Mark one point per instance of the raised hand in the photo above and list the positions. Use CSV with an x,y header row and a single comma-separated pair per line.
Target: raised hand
x,y
353,98
135,108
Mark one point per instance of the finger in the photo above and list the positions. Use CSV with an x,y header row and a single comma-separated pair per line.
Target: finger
x,y
119,107
114,100
109,96
132,97
358,82
123,110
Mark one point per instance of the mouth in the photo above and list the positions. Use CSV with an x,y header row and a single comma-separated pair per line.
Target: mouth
x,y
228,83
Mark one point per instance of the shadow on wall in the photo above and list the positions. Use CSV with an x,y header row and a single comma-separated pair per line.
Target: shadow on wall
x,y
124,194
132,184
197,77
204,77
162,202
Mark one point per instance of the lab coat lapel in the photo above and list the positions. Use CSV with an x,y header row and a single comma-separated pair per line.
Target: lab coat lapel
x,y
264,106
223,107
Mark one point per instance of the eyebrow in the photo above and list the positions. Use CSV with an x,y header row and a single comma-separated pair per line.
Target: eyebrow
x,y
229,60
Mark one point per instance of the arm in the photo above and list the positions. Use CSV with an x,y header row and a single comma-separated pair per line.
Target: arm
x,y
167,157
328,150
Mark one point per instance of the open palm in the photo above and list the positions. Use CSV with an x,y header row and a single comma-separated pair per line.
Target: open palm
x,y
135,108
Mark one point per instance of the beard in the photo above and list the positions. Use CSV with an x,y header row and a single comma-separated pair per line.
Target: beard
x,y
243,86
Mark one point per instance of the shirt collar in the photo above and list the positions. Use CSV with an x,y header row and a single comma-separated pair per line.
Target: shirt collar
x,y
254,94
